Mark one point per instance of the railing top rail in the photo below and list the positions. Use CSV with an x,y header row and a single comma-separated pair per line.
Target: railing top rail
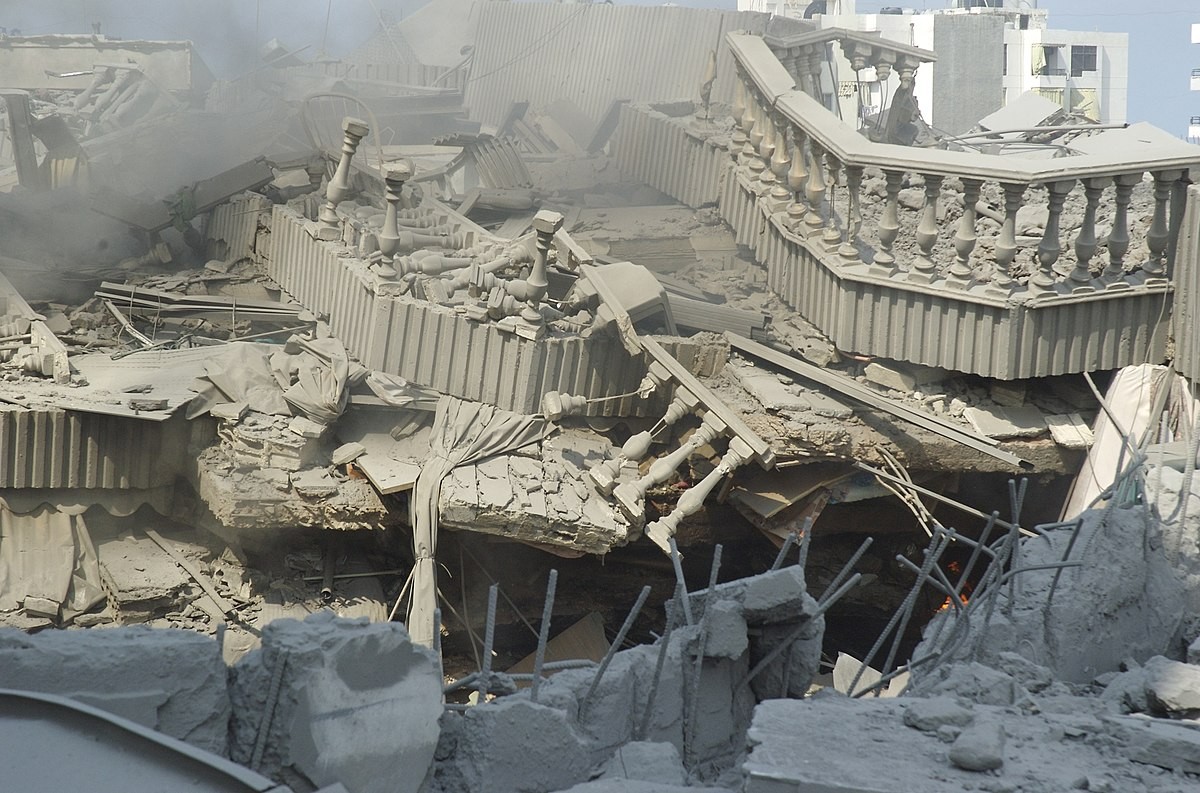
x,y
1136,149
826,35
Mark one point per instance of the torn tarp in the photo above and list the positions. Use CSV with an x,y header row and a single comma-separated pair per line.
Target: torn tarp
x,y
463,433
47,555
306,378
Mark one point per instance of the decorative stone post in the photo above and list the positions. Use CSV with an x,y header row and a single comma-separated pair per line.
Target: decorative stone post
x,y
797,177
546,224
395,175
631,496
1086,244
964,236
662,530
1159,233
1118,238
889,224
849,249
815,190
1006,244
329,228
1050,248
924,269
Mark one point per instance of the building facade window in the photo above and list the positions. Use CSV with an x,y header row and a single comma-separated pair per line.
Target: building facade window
x,y
1083,59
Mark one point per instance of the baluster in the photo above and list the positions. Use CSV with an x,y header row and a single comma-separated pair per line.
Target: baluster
x,y
329,228
924,270
631,496
889,224
766,146
796,179
389,236
546,224
849,248
1050,248
756,129
1086,243
781,161
1159,234
832,236
816,56
815,189
964,236
739,98
1118,238
1006,244
662,530
606,474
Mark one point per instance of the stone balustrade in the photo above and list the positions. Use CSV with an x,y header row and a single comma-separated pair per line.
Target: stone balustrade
x,y
977,262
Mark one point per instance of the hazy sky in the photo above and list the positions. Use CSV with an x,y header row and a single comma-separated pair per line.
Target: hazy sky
x,y
229,33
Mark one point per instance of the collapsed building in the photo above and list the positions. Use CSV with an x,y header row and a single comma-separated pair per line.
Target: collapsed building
x,y
440,336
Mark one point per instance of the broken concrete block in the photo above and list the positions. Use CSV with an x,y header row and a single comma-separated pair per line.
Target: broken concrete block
x,y
1032,676
1160,743
306,428
1193,652
42,607
979,748
647,762
143,581
1008,394
1173,688
727,636
797,665
359,704
347,452
511,745
930,715
314,483
1000,422
775,596
976,683
229,411
172,681
890,376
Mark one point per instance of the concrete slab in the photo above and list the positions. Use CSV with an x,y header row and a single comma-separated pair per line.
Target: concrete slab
x,y
1006,422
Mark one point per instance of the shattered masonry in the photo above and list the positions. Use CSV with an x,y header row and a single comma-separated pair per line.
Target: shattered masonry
x,y
433,420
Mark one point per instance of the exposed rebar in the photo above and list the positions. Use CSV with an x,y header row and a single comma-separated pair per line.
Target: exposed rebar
x,y
612,649
543,635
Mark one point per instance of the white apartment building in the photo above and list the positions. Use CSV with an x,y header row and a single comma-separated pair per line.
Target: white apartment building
x,y
989,52
1193,132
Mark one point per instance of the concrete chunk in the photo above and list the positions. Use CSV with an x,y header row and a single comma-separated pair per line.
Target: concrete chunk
x,y
359,704
1172,687
979,748
929,715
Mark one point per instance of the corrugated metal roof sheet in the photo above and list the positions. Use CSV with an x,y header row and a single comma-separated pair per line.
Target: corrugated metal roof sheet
x,y
594,54
1186,275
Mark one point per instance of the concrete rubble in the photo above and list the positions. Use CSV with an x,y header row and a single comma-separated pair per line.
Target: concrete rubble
x,y
420,419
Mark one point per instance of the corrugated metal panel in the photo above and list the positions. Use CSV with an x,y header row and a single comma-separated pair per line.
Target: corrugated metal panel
x,y
435,346
658,150
1186,276
594,54
68,449
388,70
236,223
